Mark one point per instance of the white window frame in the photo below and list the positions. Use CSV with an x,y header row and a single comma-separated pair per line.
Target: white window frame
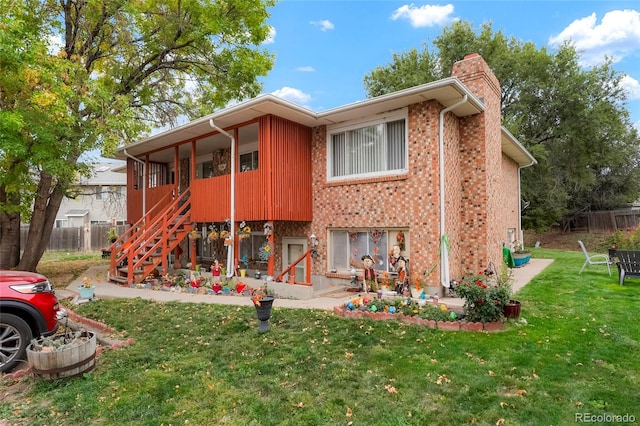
x,y
384,253
401,114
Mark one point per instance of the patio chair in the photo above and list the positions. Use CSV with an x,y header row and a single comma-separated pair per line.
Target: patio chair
x,y
594,259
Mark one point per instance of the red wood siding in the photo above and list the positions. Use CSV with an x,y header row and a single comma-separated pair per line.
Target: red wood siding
x,y
290,160
280,189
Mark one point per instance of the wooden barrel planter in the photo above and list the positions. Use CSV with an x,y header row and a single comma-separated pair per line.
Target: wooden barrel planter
x,y
72,360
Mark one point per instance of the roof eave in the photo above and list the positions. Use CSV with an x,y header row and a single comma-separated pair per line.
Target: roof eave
x,y
515,150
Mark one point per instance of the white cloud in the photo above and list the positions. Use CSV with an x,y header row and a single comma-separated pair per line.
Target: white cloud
x,y
617,35
424,16
55,43
296,96
271,38
307,68
631,86
324,25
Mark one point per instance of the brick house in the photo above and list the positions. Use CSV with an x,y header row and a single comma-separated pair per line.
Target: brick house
x,y
413,168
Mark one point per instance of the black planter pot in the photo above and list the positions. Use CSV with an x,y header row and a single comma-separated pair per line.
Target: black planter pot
x,y
264,313
512,309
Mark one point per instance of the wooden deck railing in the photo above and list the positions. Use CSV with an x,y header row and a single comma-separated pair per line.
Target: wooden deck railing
x,y
291,270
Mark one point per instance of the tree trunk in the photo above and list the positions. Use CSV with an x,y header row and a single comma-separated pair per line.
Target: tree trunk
x,y
45,208
9,233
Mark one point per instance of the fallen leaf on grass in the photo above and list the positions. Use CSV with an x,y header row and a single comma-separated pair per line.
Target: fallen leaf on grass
x,y
390,389
299,405
521,392
348,355
442,379
491,373
578,404
500,422
349,412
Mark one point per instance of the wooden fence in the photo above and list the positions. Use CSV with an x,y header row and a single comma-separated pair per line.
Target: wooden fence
x,y
89,238
604,221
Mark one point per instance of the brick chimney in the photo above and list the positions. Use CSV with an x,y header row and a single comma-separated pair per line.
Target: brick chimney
x,y
481,153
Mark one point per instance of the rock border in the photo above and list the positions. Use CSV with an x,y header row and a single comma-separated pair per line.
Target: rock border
x,y
436,325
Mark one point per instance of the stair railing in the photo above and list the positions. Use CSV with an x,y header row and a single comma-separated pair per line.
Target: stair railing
x,y
291,269
158,227
133,232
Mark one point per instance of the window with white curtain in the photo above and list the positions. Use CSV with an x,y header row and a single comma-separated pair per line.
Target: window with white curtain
x,y
378,148
347,245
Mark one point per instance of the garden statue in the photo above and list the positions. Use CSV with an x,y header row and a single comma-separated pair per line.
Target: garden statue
x,y
402,282
394,255
216,268
369,274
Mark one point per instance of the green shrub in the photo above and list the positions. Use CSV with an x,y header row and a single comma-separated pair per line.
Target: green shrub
x,y
628,239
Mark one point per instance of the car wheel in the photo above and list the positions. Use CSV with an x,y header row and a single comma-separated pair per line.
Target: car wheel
x,y
15,336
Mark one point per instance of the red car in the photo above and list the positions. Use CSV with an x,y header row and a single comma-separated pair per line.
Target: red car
x,y
28,308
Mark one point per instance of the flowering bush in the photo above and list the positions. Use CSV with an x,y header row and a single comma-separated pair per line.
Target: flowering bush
x,y
484,297
628,239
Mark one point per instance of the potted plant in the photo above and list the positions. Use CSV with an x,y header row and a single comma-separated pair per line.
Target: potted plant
x,y
86,289
112,236
244,231
520,255
62,355
263,299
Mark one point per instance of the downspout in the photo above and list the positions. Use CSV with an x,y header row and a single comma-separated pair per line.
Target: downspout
x,y
230,248
444,245
144,181
520,232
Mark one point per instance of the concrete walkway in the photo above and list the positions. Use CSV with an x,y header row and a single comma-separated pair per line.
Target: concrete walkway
x,y
107,290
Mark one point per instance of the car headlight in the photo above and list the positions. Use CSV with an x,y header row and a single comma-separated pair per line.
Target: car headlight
x,y
33,288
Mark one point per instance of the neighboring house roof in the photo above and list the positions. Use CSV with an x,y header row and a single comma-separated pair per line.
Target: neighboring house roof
x,y
447,92
76,213
105,174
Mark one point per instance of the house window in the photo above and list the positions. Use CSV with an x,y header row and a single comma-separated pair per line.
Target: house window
x,y
61,223
249,161
379,148
351,245
102,192
205,170
249,250
118,192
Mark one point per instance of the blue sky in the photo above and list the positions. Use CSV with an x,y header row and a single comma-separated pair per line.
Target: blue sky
x,y
324,48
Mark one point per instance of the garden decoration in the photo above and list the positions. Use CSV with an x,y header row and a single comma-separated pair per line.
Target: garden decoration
x,y
62,355
86,289
402,282
263,301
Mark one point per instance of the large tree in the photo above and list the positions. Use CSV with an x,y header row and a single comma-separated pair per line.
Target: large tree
x,y
573,120
120,69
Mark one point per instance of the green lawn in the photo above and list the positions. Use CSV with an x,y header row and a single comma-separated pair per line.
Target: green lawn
x,y
576,354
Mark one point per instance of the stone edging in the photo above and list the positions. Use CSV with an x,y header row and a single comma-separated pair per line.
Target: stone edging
x,y
436,325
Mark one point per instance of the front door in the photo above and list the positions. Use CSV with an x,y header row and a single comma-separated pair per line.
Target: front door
x,y
292,249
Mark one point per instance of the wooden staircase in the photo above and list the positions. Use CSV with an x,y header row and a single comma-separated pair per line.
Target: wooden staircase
x,y
147,244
